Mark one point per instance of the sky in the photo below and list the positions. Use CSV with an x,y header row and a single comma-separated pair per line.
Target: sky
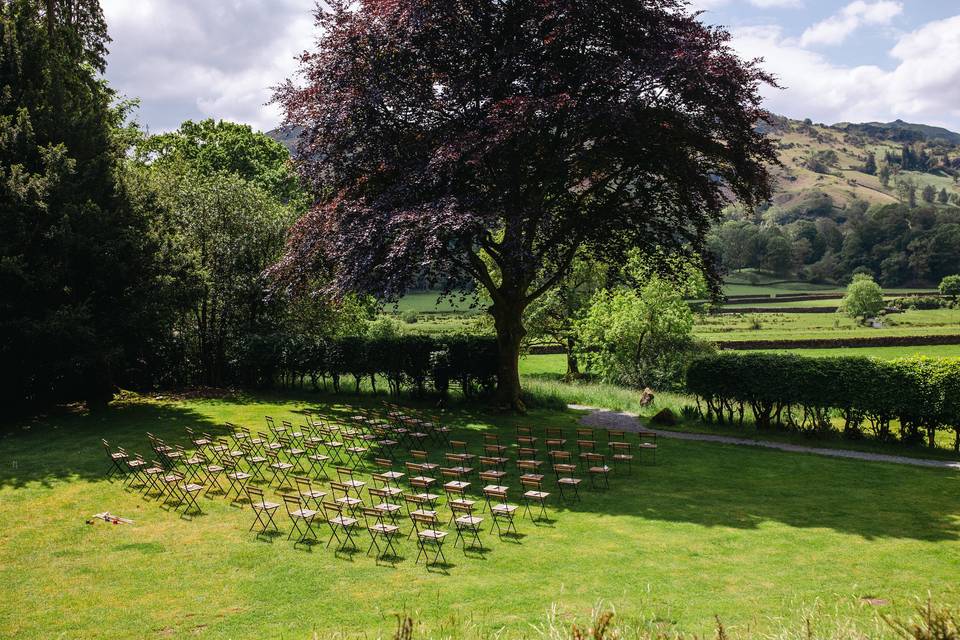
x,y
853,61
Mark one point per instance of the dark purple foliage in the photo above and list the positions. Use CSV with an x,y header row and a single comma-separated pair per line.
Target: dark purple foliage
x,y
490,140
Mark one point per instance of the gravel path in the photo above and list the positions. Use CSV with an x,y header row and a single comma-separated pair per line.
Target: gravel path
x,y
606,419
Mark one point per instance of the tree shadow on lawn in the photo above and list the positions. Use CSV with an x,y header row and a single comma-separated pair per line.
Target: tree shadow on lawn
x,y
706,484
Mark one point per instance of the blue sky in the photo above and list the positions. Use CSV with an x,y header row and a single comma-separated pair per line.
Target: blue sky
x,y
853,60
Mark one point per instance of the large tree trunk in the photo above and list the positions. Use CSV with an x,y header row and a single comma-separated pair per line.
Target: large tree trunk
x,y
508,320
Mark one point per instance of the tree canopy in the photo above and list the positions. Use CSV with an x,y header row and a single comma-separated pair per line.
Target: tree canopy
x,y
489,140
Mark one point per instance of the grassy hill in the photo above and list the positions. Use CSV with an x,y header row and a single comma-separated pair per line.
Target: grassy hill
x,y
845,181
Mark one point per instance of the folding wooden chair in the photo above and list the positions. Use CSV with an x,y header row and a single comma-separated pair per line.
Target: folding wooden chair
x,y
118,460
318,461
455,488
171,487
308,494
300,516
386,473
492,445
586,434
341,527
293,451
345,476
566,481
135,476
154,473
278,468
621,453
380,532
492,469
467,525
236,480
585,448
345,499
597,468
648,446
421,458
534,495
333,445
503,512
213,472
457,465
199,440
254,460
525,437
384,500
529,470
459,449
494,493
429,534
263,510
556,437
189,491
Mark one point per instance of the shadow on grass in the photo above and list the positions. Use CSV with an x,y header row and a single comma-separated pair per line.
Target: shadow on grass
x,y
704,484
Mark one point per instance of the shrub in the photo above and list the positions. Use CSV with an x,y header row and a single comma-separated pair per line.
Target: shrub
x,y
918,302
864,298
950,286
403,361
805,393
410,316
638,339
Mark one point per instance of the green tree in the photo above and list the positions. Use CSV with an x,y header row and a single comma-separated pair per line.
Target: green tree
x,y
928,194
943,197
870,165
638,338
225,232
78,281
864,298
907,191
209,147
884,174
552,317
950,286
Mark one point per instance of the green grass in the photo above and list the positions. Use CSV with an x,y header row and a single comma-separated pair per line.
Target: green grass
x,y
885,353
756,537
797,326
426,302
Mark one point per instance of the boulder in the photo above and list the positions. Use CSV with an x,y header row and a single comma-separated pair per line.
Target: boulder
x,y
664,417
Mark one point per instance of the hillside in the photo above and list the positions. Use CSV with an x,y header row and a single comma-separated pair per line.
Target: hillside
x,y
844,180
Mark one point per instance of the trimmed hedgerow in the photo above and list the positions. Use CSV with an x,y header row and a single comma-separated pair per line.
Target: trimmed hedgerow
x,y
410,362
810,394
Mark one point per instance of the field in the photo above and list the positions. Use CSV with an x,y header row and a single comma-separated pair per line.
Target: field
x,y
709,530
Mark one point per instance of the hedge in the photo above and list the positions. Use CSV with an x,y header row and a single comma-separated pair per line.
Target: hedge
x,y
839,343
404,361
786,390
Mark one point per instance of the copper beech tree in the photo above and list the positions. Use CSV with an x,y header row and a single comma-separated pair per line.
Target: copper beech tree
x,y
488,141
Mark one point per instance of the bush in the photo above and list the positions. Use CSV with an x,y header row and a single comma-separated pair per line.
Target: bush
x,y
864,298
410,316
919,302
786,390
403,361
638,339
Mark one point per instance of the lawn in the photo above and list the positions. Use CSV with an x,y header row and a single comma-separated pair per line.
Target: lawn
x,y
759,538
885,353
797,326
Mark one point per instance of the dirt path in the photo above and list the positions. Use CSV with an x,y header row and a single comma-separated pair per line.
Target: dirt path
x,y
606,419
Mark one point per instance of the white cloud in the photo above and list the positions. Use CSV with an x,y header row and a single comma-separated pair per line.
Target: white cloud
x,y
777,4
923,86
185,58
837,27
